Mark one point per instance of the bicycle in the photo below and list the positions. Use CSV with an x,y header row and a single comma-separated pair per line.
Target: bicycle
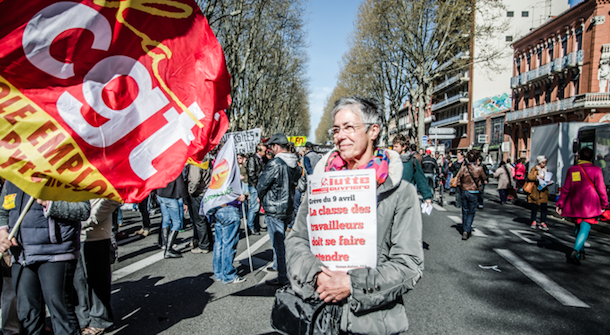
x,y
439,189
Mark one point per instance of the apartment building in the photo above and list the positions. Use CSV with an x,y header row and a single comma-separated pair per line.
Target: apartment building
x,y
561,73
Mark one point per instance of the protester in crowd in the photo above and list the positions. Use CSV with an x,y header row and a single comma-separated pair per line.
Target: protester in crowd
x,y
485,181
503,174
172,199
297,191
411,168
416,154
311,158
276,187
255,167
197,182
226,229
143,208
357,124
520,171
470,179
93,276
430,168
269,154
583,198
8,303
48,275
455,168
538,198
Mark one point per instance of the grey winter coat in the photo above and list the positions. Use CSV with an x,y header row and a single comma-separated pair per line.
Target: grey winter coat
x,y
376,302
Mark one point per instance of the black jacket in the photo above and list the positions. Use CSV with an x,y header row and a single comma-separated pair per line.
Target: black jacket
x,y
429,165
254,167
174,190
276,186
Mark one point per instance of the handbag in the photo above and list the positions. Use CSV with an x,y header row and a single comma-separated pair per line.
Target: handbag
x,y
528,187
293,315
453,182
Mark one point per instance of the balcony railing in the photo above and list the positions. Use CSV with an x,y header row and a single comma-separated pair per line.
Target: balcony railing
x,y
460,55
460,118
570,60
455,98
450,81
539,110
592,100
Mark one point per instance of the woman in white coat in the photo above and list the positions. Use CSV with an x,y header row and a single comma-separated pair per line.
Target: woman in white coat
x,y
503,174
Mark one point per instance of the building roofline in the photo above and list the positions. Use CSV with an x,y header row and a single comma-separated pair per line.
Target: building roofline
x,y
548,22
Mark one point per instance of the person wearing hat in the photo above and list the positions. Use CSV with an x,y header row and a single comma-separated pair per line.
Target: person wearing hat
x,y
276,186
538,198
311,158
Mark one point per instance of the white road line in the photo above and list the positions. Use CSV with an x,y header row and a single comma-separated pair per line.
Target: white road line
x,y
141,264
130,314
438,207
455,218
551,287
478,233
253,248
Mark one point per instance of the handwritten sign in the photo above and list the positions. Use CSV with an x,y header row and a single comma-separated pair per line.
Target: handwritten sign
x,y
342,218
245,141
299,141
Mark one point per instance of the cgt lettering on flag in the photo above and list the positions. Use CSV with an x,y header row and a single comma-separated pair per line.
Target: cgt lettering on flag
x,y
136,88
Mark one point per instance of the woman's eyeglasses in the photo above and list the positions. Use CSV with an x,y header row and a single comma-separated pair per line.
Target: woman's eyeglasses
x,y
348,128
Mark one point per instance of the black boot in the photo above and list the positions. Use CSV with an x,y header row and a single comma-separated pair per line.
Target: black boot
x,y
162,242
169,250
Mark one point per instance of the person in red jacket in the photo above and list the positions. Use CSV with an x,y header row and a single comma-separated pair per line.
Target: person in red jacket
x,y
583,196
520,171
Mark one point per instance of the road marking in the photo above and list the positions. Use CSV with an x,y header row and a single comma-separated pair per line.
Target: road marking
x,y
564,242
551,287
253,248
455,218
438,207
130,314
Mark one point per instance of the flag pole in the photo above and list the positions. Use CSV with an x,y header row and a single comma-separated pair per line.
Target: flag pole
x,y
243,211
19,220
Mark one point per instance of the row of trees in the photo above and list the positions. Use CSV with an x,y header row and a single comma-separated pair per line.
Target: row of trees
x,y
398,49
264,45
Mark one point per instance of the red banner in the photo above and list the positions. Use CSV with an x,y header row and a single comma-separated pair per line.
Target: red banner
x,y
107,98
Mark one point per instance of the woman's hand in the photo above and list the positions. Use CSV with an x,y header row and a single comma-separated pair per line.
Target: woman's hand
x,y
5,244
558,210
333,286
44,203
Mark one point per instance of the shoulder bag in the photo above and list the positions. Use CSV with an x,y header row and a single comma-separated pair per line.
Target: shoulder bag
x,y
293,315
529,186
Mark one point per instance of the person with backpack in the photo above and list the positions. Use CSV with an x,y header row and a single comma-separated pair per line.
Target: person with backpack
x,y
411,169
583,198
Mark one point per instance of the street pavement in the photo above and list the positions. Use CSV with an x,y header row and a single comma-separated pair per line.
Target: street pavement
x,y
506,279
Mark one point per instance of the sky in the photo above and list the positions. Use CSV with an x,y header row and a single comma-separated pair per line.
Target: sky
x,y
329,23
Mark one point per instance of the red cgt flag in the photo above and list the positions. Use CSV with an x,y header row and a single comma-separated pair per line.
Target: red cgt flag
x,y
107,98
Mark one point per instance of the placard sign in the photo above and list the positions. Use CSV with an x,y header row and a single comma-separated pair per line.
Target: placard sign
x,y
245,141
342,218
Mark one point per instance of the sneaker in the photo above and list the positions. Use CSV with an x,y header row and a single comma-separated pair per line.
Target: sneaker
x,y
253,232
237,280
533,226
271,269
140,232
542,226
145,232
199,251
465,236
92,331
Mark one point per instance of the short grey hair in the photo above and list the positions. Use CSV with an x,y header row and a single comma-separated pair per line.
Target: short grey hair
x,y
369,110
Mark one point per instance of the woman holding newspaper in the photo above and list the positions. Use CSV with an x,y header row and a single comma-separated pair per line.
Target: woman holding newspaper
x,y
372,297
539,197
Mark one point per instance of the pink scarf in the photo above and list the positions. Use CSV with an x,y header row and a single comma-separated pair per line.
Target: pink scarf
x,y
380,162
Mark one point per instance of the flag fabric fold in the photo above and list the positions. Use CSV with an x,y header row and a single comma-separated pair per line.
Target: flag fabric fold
x,y
107,98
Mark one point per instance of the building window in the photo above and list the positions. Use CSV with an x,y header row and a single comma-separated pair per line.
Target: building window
x,y
551,47
479,129
576,83
509,38
539,58
510,13
564,44
579,40
525,14
497,130
561,87
547,93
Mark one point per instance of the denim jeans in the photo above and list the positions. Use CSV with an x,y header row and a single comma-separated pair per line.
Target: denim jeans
x,y
503,195
469,208
481,194
225,244
277,230
253,207
50,283
171,212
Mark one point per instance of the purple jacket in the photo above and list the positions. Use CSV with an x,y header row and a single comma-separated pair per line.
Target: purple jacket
x,y
579,199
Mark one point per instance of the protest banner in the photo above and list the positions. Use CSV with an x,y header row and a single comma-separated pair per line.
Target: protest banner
x,y
299,141
225,183
245,141
342,218
107,98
